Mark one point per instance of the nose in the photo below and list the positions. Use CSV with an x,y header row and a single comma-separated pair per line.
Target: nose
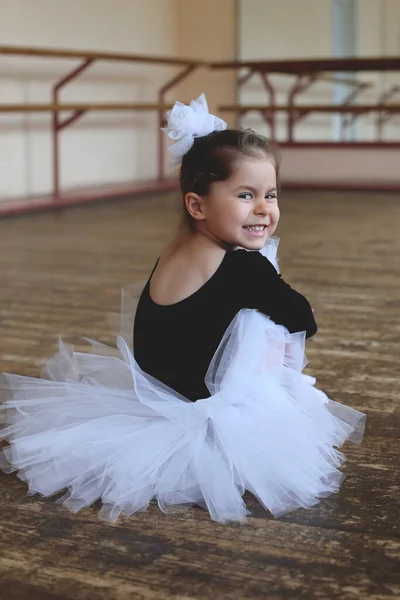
x,y
261,207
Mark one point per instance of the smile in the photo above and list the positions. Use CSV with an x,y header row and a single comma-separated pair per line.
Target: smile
x,y
256,230
255,227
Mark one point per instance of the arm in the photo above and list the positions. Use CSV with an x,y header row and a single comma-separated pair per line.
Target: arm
x,y
271,295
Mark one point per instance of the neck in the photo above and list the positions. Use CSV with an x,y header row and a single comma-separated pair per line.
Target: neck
x,y
198,243
205,238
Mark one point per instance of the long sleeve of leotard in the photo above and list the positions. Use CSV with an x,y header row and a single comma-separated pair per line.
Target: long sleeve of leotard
x,y
263,288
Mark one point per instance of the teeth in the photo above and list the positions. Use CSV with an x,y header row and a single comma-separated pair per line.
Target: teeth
x,y
256,228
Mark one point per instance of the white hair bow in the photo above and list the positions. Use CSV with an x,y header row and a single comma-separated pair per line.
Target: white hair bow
x,y
188,122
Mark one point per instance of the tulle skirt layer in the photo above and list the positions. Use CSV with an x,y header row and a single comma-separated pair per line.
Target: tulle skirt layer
x,y
100,428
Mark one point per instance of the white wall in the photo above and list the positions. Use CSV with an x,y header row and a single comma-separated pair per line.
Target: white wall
x,y
303,29
107,148
286,29
270,30
101,147
379,35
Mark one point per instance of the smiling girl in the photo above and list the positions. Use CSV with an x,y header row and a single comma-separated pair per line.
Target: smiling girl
x,y
213,401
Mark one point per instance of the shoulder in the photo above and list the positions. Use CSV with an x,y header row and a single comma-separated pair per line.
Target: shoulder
x,y
251,262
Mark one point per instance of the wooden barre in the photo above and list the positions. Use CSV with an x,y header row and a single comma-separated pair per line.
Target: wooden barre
x,y
23,108
143,106
309,66
278,66
83,54
339,108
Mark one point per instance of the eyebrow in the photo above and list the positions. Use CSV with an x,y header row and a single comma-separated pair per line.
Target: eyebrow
x,y
251,188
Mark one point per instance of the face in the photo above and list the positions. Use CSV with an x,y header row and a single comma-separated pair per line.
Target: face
x,y
243,210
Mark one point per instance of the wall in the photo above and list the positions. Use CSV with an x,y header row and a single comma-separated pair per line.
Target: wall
x,y
379,35
288,29
101,147
303,29
107,148
341,167
207,29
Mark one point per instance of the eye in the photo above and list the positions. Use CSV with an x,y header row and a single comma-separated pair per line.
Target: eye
x,y
246,196
271,196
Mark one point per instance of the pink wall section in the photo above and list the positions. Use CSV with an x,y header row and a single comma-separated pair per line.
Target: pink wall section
x,y
341,165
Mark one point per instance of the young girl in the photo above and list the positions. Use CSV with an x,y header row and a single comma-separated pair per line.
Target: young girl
x,y
213,401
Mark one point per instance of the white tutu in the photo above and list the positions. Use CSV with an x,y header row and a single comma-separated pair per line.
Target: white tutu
x,y
100,428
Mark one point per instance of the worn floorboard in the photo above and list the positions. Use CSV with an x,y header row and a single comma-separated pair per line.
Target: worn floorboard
x,y
61,273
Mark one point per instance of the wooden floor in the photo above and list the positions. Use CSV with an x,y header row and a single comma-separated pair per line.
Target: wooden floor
x,y
62,273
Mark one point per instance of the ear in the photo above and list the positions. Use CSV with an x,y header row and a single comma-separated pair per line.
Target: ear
x,y
195,206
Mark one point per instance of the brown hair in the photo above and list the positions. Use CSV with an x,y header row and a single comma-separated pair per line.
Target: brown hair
x,y
212,157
